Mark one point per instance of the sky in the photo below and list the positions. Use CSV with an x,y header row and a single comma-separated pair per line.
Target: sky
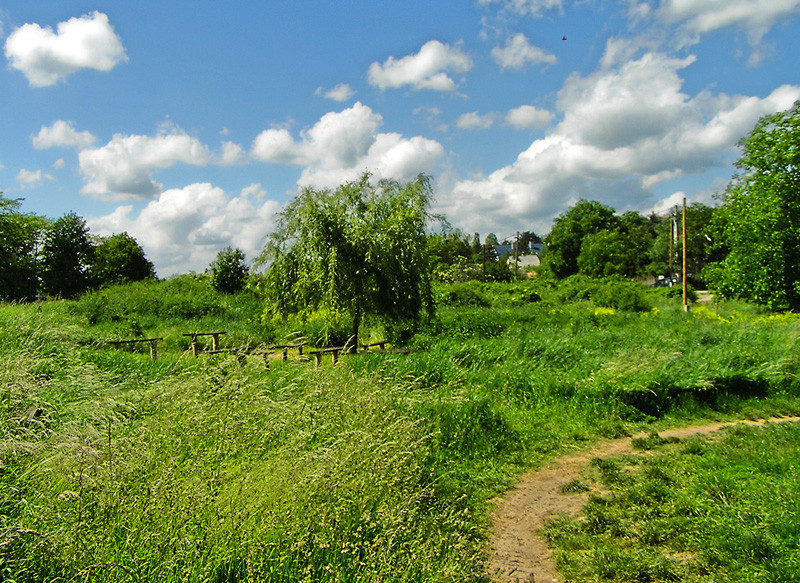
x,y
189,124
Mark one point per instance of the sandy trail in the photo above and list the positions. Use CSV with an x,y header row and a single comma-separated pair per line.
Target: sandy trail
x,y
517,552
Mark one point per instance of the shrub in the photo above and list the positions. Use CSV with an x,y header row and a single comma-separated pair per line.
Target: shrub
x,y
622,295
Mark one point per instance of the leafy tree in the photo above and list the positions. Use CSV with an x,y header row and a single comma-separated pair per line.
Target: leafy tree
x,y
760,216
120,259
229,271
491,241
569,229
357,250
607,253
20,236
67,254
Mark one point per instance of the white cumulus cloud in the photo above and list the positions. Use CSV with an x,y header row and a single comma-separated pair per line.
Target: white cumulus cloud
x,y
475,121
62,134
184,229
518,52
342,145
528,117
427,69
46,57
29,177
123,168
704,16
624,131
340,93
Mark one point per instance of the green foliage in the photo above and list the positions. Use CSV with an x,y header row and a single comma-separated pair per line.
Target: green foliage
x,y
359,250
19,239
119,259
622,295
67,255
607,253
569,229
229,272
760,217
462,294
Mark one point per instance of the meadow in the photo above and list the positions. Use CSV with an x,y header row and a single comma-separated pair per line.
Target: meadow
x,y
382,468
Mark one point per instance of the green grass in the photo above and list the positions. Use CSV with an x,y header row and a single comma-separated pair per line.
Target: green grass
x,y
705,510
115,468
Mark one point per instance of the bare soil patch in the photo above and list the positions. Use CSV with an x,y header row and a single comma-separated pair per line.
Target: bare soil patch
x,y
517,552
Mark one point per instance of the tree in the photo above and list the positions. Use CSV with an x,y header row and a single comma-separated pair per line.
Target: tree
x,y
569,229
67,254
229,271
20,235
760,217
119,259
357,250
607,253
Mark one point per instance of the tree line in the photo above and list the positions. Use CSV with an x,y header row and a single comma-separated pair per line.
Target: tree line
x,y
40,257
366,248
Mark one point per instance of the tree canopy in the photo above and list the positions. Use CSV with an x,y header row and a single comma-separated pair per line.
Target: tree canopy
x,y
569,229
356,250
120,259
760,216
229,271
67,254
20,235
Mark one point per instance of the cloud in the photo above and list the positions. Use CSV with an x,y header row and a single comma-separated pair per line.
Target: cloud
x,y
533,8
624,131
123,168
59,164
427,69
45,57
232,154
340,93
31,179
342,145
518,52
704,16
62,134
473,121
183,229
529,117
28,177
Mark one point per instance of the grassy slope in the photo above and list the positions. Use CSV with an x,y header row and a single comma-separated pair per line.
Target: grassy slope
x,y
378,469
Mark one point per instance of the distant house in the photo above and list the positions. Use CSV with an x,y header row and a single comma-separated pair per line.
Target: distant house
x,y
524,261
503,250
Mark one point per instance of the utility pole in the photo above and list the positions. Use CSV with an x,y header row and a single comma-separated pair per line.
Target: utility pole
x,y
673,229
516,258
683,274
483,249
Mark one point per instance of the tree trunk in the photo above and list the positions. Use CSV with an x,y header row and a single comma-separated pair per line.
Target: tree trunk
x,y
356,324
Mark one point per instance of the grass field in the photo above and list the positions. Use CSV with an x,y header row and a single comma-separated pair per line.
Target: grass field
x,y
699,510
116,468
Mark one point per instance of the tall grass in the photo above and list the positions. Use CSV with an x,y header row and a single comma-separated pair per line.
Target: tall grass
x,y
116,468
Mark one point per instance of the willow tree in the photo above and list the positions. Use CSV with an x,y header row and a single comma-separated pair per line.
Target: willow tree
x,y
357,250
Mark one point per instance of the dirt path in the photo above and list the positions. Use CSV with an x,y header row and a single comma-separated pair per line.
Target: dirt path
x,y
517,551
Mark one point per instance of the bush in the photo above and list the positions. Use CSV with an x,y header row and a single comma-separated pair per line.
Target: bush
x,y
622,295
463,294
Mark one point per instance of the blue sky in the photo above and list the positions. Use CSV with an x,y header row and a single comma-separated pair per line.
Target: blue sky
x,y
189,124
